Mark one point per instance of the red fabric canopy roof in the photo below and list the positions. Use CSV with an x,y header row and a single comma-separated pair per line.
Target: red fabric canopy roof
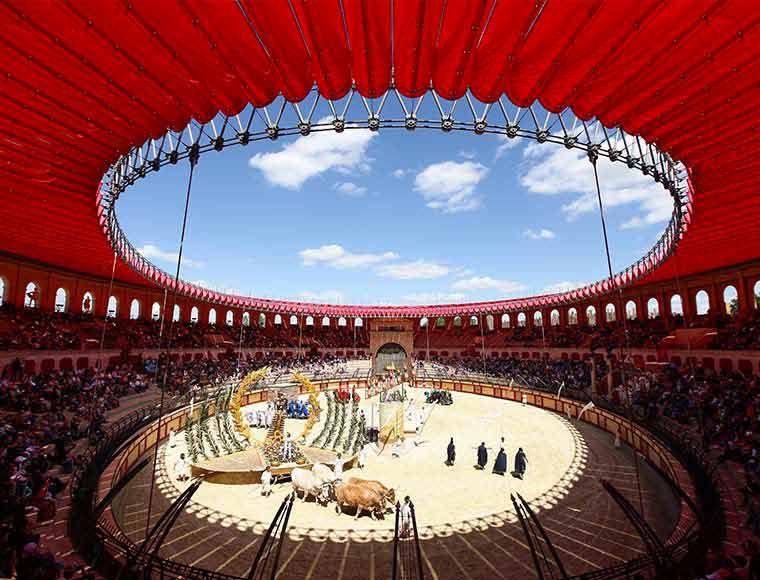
x,y
83,81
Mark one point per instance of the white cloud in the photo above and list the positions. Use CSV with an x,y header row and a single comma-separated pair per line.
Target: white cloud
x,y
350,189
562,287
467,154
313,155
554,170
505,144
399,173
153,252
433,298
449,186
336,256
542,234
417,270
488,283
217,287
323,297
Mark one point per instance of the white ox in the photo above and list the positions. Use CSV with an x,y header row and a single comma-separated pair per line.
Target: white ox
x,y
304,481
323,473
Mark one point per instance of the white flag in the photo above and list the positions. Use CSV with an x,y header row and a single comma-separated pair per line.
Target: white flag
x,y
586,407
559,391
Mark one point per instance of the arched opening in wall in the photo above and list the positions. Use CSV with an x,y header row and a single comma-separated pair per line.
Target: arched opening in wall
x,y
676,305
591,316
277,320
702,300
473,320
653,309
113,307
32,295
630,310
505,321
212,317
522,320
731,300
756,292
423,322
246,319
262,320
176,313
458,321
538,318
440,322
572,316
229,318
3,290
88,303
194,315
309,321
155,311
134,309
489,323
610,312
325,321
358,322
554,317
61,300
293,320
342,322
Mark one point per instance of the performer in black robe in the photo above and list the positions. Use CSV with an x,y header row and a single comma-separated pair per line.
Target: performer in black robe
x,y
482,456
451,453
500,466
521,463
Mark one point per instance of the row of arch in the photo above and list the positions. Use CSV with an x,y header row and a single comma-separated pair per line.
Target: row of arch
x,y
653,310
730,298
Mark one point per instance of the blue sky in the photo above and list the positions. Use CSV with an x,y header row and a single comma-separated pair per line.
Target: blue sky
x,y
393,217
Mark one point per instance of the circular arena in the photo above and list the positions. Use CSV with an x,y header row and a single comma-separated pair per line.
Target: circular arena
x,y
405,289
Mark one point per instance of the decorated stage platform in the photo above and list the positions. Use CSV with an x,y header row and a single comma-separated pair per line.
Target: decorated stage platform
x,y
245,467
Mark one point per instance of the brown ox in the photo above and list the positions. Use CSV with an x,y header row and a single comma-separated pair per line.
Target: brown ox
x,y
387,493
361,496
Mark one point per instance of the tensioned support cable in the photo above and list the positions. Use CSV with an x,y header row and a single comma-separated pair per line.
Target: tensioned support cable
x,y
593,156
193,158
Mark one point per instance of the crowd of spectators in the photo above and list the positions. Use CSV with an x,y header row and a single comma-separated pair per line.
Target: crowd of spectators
x,y
38,331
45,422
33,329
718,411
738,334
540,373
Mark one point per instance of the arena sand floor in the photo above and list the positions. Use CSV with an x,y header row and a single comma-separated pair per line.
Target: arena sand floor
x,y
466,521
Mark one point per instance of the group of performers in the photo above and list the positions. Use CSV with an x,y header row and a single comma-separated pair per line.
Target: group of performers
x,y
261,417
438,397
297,409
499,466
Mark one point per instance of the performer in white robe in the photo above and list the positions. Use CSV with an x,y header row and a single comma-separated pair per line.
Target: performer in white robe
x,y
182,468
287,448
172,439
362,458
266,482
338,468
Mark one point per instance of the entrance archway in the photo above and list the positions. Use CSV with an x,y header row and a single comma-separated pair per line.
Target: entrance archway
x,y
390,355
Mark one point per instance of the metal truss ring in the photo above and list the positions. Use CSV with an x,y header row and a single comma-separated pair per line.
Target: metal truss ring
x,y
393,111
